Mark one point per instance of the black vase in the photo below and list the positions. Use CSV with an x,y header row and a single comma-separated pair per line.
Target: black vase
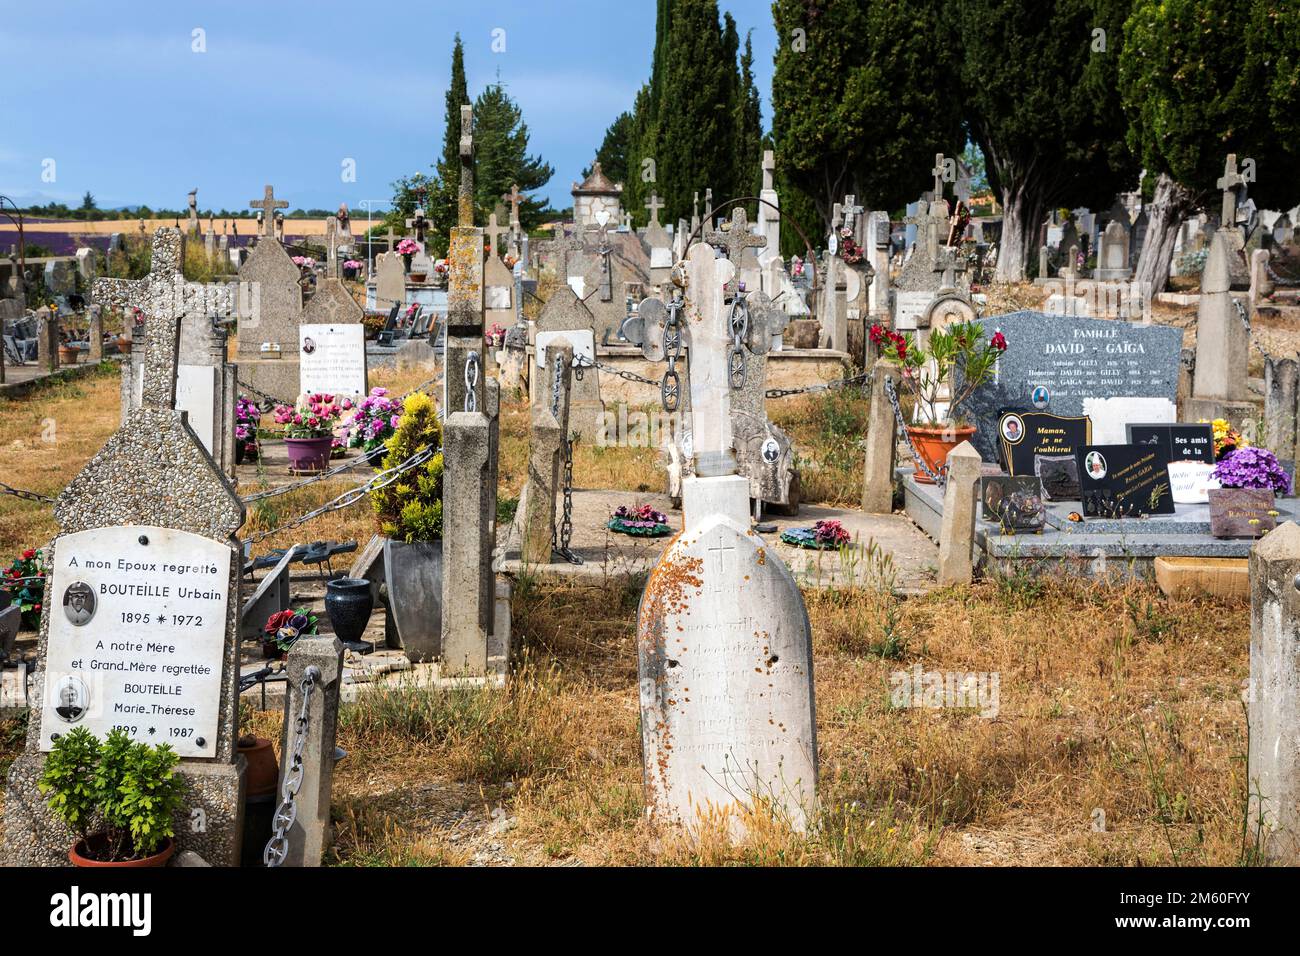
x,y
348,602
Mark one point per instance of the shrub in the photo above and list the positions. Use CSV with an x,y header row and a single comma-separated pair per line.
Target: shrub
x,y
410,508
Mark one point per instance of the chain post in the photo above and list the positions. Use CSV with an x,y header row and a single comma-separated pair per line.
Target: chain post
x,y
277,848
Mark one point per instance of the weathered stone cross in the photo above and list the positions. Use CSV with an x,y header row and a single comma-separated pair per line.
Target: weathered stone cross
x,y
1229,183
654,205
850,210
735,240
769,168
465,197
392,239
937,172
268,204
493,230
563,246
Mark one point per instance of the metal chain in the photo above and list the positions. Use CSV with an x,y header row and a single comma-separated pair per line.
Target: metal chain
x,y
471,382
277,848
1250,333
580,364
261,394
864,379
381,480
738,323
670,386
25,495
1277,279
940,478
560,542
294,485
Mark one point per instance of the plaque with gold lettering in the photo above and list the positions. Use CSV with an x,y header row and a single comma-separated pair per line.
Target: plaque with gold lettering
x,y
1125,481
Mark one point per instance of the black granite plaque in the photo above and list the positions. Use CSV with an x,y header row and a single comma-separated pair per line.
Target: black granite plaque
x,y
1053,363
1025,437
1182,442
1125,481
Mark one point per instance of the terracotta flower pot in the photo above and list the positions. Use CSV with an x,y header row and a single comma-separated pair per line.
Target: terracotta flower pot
x,y
308,454
932,446
68,356
124,345
79,858
263,772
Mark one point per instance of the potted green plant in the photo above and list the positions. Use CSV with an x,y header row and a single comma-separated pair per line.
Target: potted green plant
x,y
309,430
409,511
120,797
928,377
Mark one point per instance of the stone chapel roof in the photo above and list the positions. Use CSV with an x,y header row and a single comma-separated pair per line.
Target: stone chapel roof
x,y
597,183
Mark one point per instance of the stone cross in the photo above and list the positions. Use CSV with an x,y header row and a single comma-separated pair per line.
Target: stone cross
x,y
465,196
850,210
392,239
707,277
1230,182
769,168
937,172
331,245
654,205
563,246
268,204
708,205
549,427
493,231
516,229
735,240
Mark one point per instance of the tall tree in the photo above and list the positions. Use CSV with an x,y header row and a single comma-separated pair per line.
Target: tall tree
x,y
1201,79
863,96
749,129
502,159
613,151
1043,106
442,205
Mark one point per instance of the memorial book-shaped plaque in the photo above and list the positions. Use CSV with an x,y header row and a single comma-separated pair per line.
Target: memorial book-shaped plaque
x,y
136,636
1045,446
1124,481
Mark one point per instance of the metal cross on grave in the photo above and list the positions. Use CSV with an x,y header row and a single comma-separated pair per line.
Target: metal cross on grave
x,y
735,240
1230,182
465,195
268,204
654,205
419,224
493,230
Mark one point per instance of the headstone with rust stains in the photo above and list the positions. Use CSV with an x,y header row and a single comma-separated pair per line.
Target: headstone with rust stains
x,y
723,638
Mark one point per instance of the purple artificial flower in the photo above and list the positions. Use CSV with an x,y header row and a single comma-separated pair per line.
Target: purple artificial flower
x,y
1252,468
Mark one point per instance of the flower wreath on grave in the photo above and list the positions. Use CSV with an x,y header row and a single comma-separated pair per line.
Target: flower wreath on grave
x,y
850,251
283,628
823,536
27,574
641,522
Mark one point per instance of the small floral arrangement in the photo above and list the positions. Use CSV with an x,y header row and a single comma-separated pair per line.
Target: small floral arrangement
x,y
928,372
351,263
1226,438
509,260
849,250
823,536
491,335
313,417
374,421
304,262
137,315
796,267
283,628
408,247
1252,468
640,521
440,267
23,584
247,418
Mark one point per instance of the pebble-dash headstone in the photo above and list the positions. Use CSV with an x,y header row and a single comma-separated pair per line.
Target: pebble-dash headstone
x,y
141,630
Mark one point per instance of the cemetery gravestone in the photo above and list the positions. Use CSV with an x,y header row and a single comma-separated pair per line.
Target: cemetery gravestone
x,y
142,630
332,360
268,328
1073,367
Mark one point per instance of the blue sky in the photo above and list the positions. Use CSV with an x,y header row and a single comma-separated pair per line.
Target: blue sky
x,y
114,94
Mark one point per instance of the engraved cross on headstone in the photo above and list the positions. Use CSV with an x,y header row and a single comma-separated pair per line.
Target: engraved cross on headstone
x,y
268,204
720,562
465,196
1230,182
654,205
735,240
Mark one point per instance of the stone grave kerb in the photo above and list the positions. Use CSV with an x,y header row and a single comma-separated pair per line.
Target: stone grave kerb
x,y
152,472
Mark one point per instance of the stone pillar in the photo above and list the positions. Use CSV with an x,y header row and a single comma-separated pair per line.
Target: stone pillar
x,y
309,836
957,533
96,335
47,340
1222,343
1043,270
878,473
546,435
1280,393
1273,766
467,591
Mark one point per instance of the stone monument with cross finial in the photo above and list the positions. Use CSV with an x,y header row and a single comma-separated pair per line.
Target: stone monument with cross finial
x,y
724,645
1233,183
566,316
498,281
266,207
660,244
735,240
516,229
268,329
144,579
933,266
769,214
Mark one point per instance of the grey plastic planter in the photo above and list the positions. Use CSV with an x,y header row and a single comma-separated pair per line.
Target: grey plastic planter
x,y
414,578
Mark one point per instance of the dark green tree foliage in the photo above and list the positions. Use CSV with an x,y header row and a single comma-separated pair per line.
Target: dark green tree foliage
x,y
442,207
1200,79
749,131
863,96
613,151
501,151
1041,101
